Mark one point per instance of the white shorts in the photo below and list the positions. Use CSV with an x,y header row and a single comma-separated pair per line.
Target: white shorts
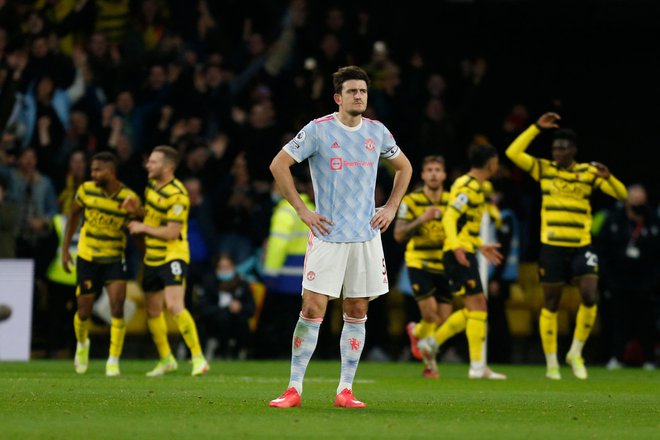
x,y
357,267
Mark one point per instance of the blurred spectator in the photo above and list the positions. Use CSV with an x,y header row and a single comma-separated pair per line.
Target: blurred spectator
x,y
8,219
201,237
260,140
233,215
76,173
628,243
79,137
112,19
226,307
36,202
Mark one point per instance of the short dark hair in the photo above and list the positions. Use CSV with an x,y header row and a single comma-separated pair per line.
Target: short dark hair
x,y
107,157
348,73
169,153
567,134
433,158
480,154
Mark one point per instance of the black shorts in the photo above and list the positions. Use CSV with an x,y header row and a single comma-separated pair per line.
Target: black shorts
x,y
93,276
172,273
461,277
558,264
427,284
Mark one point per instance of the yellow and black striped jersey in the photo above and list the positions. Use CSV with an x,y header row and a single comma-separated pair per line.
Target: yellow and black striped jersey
x,y
170,203
565,208
424,248
462,220
103,232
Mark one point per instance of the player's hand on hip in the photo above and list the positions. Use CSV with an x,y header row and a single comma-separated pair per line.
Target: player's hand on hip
x,y
383,218
316,222
459,254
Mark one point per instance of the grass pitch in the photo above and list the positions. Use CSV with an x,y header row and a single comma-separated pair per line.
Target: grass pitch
x,y
47,400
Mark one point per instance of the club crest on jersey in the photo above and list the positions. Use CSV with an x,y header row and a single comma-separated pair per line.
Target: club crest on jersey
x,y
311,275
370,144
336,163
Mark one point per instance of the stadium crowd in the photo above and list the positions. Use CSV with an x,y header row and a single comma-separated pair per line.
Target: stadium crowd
x,y
227,84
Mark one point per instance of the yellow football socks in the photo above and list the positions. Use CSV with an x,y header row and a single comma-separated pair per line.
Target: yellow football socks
x,y
586,316
455,324
584,322
188,330
158,328
475,330
548,332
424,329
81,328
117,333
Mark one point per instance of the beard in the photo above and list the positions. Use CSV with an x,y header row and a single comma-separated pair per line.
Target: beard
x,y
355,112
103,183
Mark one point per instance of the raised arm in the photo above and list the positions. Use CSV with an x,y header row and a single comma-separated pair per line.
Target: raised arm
x,y
516,151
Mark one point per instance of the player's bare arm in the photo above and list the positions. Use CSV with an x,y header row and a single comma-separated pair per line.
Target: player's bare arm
x,y
280,167
71,225
171,231
403,173
403,229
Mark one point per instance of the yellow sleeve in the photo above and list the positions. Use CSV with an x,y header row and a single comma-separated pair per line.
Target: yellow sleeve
x,y
516,151
404,212
80,196
613,187
178,210
449,222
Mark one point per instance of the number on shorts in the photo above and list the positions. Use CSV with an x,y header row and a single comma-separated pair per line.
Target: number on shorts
x,y
592,259
176,268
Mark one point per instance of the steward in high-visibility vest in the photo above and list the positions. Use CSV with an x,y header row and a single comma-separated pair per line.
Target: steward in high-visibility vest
x,y
285,251
56,272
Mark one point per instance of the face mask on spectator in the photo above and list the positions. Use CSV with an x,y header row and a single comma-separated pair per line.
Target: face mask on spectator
x,y
225,276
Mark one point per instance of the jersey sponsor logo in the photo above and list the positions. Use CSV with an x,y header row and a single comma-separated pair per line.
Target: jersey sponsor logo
x,y
311,275
370,144
337,163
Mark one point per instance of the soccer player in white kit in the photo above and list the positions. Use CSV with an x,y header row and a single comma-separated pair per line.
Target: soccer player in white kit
x,y
344,254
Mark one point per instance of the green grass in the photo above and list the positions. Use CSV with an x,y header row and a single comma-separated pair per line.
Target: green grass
x,y
47,400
